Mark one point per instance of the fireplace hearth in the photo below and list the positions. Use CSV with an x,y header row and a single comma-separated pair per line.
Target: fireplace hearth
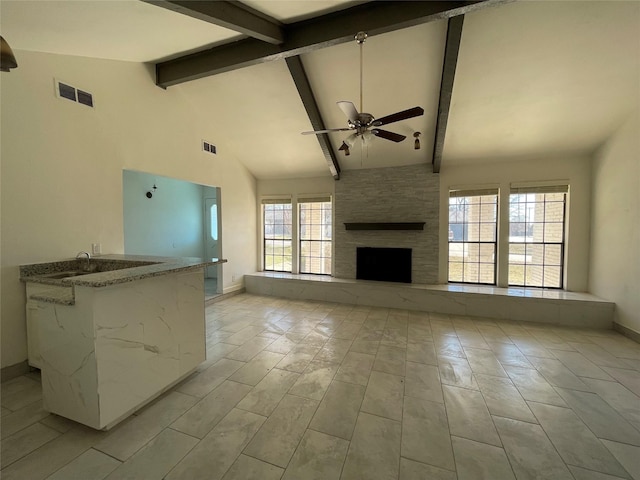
x,y
383,264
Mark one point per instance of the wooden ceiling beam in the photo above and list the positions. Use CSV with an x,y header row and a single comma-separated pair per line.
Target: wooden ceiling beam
x,y
324,31
452,47
228,14
308,100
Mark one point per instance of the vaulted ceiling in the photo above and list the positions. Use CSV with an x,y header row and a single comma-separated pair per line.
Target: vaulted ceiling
x,y
532,78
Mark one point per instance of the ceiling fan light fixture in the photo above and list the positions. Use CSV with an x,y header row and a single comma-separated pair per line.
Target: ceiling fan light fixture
x,y
345,148
416,143
7,58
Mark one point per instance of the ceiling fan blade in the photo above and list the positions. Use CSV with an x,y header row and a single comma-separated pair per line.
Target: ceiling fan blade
x,y
349,109
396,117
394,137
317,132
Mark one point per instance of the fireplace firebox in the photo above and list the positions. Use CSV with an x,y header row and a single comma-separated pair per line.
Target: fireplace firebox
x,y
383,264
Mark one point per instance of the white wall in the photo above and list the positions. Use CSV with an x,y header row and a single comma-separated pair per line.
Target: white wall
x,y
577,171
62,168
170,223
615,223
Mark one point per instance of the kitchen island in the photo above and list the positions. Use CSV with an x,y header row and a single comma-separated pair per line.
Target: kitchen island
x,y
111,333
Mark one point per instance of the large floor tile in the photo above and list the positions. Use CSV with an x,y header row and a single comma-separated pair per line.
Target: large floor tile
x,y
580,365
248,468
479,461
509,354
278,438
128,437
628,378
355,368
337,413
627,455
249,349
533,386
53,455
584,474
318,457
91,465
390,359
503,398
557,374
456,372
423,352
227,440
157,458
484,361
204,382
204,415
374,453
20,392
619,397
13,422
410,470
423,381
531,454
24,442
257,368
425,433
266,395
576,444
468,415
600,417
384,395
315,380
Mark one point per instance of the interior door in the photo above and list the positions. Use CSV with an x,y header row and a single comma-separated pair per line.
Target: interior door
x,y
211,240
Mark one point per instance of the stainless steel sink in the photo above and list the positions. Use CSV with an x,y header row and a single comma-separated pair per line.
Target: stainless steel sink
x,y
60,275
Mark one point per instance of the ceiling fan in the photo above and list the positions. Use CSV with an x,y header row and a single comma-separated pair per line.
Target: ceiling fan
x,y
365,124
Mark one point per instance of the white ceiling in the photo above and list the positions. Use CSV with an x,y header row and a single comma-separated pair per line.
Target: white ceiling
x,y
534,77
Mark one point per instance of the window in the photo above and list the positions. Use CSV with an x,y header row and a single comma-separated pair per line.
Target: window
x,y
472,236
536,236
315,236
277,235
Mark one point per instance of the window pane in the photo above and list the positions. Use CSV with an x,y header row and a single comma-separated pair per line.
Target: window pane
x,y
315,237
553,232
472,238
553,255
536,236
277,237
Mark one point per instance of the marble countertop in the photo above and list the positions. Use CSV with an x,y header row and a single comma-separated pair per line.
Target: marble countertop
x,y
112,269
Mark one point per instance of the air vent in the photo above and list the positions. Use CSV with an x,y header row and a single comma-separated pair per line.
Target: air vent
x,y
208,147
74,94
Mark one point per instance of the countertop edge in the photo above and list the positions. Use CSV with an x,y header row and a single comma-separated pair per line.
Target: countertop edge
x,y
163,266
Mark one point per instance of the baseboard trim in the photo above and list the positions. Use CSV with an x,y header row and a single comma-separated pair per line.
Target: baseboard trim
x,y
14,371
627,332
224,296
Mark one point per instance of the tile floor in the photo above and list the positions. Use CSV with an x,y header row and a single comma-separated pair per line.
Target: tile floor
x,y
300,390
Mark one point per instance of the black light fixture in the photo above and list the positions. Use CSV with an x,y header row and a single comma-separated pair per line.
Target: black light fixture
x,y
7,58
149,193
416,143
345,147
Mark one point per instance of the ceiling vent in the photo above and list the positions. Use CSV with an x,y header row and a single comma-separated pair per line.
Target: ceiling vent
x,y
208,147
64,90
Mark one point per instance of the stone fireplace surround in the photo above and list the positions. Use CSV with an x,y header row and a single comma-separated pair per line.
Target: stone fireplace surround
x,y
396,194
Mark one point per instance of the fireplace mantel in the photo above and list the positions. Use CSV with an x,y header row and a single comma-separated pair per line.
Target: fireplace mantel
x,y
385,226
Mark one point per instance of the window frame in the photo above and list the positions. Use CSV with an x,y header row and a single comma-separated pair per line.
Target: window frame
x,y
563,189
276,201
315,200
471,193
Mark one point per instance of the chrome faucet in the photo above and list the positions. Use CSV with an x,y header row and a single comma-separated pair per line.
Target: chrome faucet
x,y
80,254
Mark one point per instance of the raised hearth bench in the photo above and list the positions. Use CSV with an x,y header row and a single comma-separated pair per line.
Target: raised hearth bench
x,y
558,307
111,334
